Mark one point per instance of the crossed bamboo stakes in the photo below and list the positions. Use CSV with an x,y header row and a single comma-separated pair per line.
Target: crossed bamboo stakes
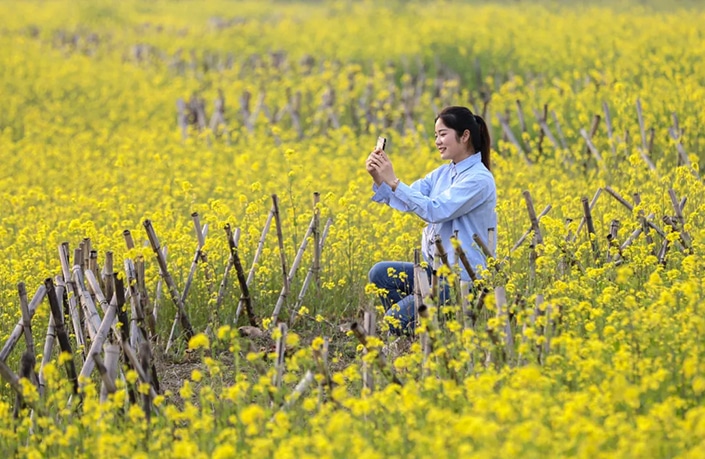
x,y
84,292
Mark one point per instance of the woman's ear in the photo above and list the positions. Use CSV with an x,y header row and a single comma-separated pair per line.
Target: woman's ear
x,y
466,136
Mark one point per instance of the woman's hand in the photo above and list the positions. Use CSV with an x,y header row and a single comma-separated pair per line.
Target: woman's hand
x,y
371,169
379,165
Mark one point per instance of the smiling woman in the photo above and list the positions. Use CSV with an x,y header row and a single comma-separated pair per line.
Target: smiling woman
x,y
457,199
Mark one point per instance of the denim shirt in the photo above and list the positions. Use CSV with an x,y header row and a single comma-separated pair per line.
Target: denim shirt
x,y
454,197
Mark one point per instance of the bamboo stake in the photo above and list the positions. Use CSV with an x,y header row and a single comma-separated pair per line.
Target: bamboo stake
x,y
608,123
643,151
107,382
185,323
280,351
226,273
485,249
685,237
523,237
361,336
292,272
198,255
18,330
590,226
112,356
317,240
510,136
592,206
677,134
255,260
12,379
73,309
368,381
280,239
26,319
502,314
107,274
89,309
591,147
240,276
538,238
564,144
158,290
310,274
146,364
27,362
97,343
48,343
61,334
619,198
545,130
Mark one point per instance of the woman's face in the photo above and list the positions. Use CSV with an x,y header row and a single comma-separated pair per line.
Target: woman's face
x,y
449,145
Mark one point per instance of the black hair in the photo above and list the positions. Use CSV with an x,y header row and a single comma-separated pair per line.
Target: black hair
x,y
461,119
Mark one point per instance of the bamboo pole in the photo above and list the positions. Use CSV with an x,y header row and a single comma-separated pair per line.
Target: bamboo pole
x,y
292,272
255,260
73,294
89,309
677,134
369,320
185,323
241,277
309,275
280,350
112,357
481,243
608,123
280,239
592,206
26,319
317,240
226,273
27,362
643,151
61,333
502,313
18,330
561,136
158,290
98,341
107,275
48,342
545,130
107,382
361,336
510,136
523,237
590,226
538,238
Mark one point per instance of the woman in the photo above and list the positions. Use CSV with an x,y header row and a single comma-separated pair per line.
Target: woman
x,y
458,197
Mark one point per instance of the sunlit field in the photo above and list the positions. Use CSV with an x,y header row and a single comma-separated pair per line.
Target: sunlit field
x,y
126,129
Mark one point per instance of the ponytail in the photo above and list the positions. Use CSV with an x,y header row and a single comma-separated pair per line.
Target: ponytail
x,y
460,119
484,141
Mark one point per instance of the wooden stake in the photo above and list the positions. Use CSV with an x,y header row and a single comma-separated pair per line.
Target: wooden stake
x,y
309,275
538,238
255,260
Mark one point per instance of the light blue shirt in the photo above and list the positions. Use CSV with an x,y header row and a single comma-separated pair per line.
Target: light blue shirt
x,y
455,197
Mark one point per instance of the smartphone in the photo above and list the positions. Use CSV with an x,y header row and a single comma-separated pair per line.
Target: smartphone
x,y
381,143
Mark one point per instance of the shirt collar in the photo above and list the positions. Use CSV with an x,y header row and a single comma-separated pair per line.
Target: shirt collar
x,y
467,163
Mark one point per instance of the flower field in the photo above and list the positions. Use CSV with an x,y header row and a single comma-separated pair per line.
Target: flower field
x,y
128,128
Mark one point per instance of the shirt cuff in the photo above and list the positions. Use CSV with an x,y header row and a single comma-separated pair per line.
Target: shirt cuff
x,y
382,192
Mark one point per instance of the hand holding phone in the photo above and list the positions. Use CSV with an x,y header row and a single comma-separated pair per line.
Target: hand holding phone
x,y
381,143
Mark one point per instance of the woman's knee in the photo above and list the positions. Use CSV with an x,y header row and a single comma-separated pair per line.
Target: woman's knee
x,y
378,272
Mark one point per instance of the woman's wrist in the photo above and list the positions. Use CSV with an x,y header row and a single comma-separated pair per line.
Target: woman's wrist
x,y
394,184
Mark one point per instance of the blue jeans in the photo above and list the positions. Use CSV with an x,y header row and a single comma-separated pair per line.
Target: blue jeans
x,y
398,301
